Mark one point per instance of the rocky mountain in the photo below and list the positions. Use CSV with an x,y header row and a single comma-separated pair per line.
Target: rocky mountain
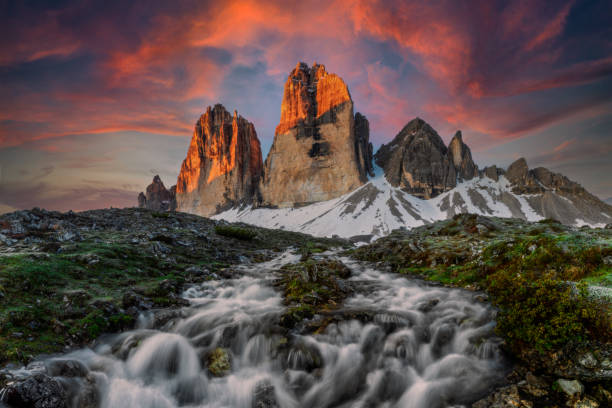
x,y
223,165
319,178
157,197
321,150
421,181
418,161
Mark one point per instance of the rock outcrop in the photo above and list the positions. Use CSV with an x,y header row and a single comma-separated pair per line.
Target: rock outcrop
x,y
223,165
539,180
555,196
418,161
461,157
157,197
363,147
492,172
320,150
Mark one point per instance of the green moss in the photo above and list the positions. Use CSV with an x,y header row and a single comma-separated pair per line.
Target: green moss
x,y
310,287
219,363
235,232
543,312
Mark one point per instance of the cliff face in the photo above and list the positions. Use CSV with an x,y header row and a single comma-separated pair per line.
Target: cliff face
x,y
317,153
223,164
418,161
461,157
157,197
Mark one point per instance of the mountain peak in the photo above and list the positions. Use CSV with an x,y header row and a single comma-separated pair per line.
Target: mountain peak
x,y
461,158
223,164
317,153
517,171
157,197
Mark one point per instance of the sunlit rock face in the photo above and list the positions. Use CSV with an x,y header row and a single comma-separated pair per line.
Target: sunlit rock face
x,y
317,154
418,161
223,164
157,197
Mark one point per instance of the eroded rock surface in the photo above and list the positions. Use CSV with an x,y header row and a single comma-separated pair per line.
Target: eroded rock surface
x,y
418,161
320,149
223,164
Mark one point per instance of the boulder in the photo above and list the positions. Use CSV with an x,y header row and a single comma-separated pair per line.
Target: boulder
x,y
37,391
571,387
219,363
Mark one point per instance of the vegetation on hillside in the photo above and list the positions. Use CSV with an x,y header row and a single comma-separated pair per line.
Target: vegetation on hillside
x,y
536,273
67,278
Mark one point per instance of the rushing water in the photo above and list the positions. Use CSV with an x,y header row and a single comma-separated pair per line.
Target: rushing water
x,y
414,345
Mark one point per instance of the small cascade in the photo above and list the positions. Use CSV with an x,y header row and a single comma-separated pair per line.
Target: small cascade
x,y
413,345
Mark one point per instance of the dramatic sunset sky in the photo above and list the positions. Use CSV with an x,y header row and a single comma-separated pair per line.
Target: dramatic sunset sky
x,y
98,96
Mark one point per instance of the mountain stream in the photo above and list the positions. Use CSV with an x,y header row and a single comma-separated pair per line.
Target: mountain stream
x,y
422,346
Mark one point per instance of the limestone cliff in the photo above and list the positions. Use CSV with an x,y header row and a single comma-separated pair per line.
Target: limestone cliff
x,y
317,153
223,164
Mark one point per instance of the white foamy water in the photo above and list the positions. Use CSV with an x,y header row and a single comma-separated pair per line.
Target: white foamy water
x,y
394,343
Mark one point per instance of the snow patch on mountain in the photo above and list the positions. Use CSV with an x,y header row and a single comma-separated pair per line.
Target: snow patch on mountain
x,y
377,208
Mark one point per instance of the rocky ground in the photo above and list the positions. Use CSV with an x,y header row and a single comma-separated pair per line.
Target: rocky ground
x,y
66,278
552,285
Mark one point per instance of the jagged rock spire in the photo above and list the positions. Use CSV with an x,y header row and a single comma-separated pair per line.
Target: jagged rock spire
x,y
223,164
320,150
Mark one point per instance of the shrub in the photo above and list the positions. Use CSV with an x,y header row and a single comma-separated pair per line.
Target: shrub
x,y
235,232
540,311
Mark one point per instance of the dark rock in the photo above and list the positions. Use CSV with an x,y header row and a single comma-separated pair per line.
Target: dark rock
x,y
363,146
133,299
107,307
264,396
418,161
37,391
66,368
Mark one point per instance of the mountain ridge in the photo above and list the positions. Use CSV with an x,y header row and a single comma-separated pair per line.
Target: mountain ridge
x,y
321,164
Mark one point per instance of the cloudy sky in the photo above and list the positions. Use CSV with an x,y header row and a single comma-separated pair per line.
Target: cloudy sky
x,y
98,96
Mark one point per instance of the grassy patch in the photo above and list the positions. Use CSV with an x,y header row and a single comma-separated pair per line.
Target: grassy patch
x,y
243,234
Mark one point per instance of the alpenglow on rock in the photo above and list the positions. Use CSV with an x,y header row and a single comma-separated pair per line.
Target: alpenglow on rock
x,y
320,149
223,164
157,197
418,161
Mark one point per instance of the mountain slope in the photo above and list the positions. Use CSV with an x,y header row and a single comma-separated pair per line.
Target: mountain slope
x,y
377,208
